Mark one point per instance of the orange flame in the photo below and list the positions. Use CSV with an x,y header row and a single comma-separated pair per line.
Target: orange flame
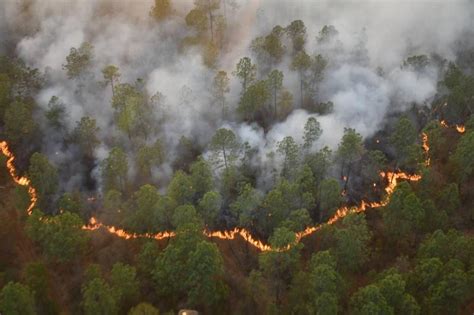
x,y
460,128
22,181
392,179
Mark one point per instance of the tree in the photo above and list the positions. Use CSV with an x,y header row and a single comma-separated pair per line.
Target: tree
x,y
220,88
161,10
79,60
246,72
246,204
316,72
204,279
60,236
149,157
201,178
56,114
144,309
404,214
114,170
208,7
16,299
124,284
144,212
297,33
132,113
181,188
98,298
352,240
36,278
225,147
44,177
209,207
280,266
349,151
289,150
85,135
403,138
464,156
189,267
197,19
111,76
326,34
275,81
369,300
301,63
253,100
312,132
329,198
19,123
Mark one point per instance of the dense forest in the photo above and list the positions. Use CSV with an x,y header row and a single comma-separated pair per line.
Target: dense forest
x,y
236,157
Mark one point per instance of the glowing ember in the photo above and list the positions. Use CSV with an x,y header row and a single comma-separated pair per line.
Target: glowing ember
x,y
460,128
392,179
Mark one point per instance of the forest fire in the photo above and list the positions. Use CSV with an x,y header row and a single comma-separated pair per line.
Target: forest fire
x,y
392,179
22,181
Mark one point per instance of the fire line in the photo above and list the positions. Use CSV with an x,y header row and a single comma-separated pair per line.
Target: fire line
x,y
392,178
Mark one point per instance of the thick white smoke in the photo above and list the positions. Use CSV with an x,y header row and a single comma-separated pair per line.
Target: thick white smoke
x,y
372,35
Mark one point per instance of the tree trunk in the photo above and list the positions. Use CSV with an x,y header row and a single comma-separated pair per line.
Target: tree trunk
x,y
301,89
211,21
225,157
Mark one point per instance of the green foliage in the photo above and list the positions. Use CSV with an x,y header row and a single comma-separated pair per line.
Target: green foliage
x,y
111,76
209,207
60,236
79,60
148,157
124,284
36,278
403,139
132,113
329,198
289,150
297,33
98,298
114,170
370,300
86,135
312,132
181,188
16,299
352,240
44,177
278,267
246,204
461,91
404,214
190,267
442,288
143,210
201,178
253,100
225,148
246,72
144,309
220,88
464,156
19,122
56,114
204,277
275,83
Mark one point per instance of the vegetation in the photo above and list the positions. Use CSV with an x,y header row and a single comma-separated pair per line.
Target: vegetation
x,y
129,220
